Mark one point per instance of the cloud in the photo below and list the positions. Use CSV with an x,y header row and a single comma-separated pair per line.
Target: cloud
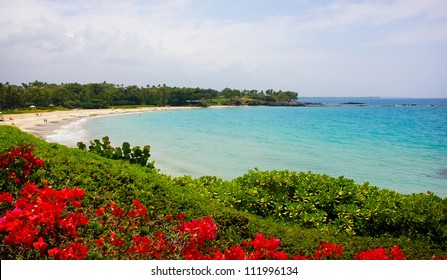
x,y
298,45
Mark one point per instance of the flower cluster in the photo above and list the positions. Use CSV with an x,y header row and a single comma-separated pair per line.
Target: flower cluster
x,y
39,217
324,251
180,239
381,254
74,251
6,197
43,213
18,164
199,231
42,222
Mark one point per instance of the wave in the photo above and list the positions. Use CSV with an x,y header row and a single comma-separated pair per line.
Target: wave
x,y
70,134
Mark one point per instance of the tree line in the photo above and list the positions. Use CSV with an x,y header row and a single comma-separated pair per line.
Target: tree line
x,y
104,95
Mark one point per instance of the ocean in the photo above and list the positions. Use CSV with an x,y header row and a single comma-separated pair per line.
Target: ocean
x,y
397,144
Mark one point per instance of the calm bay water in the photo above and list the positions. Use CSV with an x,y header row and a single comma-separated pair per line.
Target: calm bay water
x,y
395,144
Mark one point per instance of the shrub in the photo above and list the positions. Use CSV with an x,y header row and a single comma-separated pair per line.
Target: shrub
x,y
134,155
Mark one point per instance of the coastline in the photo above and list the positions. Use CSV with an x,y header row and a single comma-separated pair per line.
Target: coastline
x,y
45,124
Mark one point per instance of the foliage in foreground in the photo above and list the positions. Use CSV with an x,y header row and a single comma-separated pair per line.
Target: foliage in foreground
x,y
105,181
321,201
47,223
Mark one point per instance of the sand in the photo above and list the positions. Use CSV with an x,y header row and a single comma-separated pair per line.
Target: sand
x,y
44,124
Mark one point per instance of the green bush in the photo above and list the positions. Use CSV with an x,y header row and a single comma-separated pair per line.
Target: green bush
x,y
318,201
134,155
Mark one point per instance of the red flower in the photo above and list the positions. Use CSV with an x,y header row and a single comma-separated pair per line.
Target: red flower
x,y
117,212
381,254
118,242
72,221
300,257
181,216
138,211
41,245
397,253
100,241
234,253
260,243
328,250
280,256
77,251
40,212
200,230
56,253
99,212
76,204
74,251
6,197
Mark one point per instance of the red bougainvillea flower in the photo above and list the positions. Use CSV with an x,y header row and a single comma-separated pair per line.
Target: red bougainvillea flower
x,y
99,242
118,212
235,253
180,217
40,245
117,242
265,248
381,254
150,247
40,212
74,251
259,243
139,210
99,212
328,250
72,221
300,257
199,230
397,253
6,197
18,163
20,229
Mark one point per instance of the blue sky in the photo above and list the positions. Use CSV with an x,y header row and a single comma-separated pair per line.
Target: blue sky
x,y
389,48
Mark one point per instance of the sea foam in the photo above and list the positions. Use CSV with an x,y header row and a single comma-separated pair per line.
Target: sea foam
x,y
70,134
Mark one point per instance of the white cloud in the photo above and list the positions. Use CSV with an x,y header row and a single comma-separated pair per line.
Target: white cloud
x,y
177,42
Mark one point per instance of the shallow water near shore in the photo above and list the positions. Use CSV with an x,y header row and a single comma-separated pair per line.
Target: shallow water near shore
x,y
394,144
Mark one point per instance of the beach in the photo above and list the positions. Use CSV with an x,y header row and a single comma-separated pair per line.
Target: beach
x,y
44,124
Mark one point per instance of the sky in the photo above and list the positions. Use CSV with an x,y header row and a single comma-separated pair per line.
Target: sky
x,y
318,48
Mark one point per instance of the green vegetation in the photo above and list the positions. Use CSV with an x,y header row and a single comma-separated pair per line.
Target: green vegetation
x,y
302,209
132,155
104,95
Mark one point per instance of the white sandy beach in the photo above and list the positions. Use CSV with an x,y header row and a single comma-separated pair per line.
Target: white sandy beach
x,y
44,124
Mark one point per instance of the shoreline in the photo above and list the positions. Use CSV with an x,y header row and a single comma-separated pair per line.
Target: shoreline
x,y
46,124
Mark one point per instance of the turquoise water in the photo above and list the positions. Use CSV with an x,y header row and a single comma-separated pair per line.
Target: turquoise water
x,y
403,148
